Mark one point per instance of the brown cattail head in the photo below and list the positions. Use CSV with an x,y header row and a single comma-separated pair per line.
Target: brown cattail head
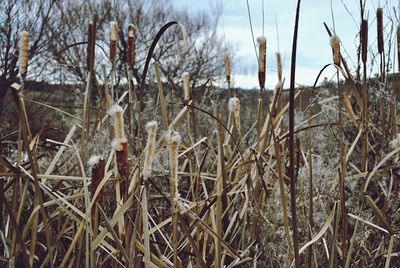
x,y
335,44
131,45
279,64
227,63
113,41
98,167
173,139
379,21
90,46
186,86
262,54
364,40
151,128
23,53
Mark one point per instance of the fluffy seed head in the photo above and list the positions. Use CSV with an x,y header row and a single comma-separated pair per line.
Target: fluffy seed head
x,y
23,53
93,160
119,134
395,143
151,128
234,105
262,50
186,86
113,31
335,44
173,139
114,109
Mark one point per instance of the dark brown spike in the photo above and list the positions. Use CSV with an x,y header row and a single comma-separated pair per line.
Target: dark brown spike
x,y
364,40
379,20
131,45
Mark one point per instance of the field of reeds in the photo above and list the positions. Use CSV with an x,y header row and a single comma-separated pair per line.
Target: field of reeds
x,y
198,183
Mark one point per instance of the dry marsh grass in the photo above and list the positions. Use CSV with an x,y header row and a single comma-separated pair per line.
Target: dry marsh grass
x,y
296,187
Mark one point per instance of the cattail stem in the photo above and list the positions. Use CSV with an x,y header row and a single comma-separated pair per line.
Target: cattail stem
x,y
379,30
164,113
174,139
227,64
186,87
398,48
292,141
364,47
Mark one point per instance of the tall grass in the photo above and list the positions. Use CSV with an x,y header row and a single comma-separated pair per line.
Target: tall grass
x,y
215,200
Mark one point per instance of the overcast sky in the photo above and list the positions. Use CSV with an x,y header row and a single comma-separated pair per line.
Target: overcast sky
x,y
313,44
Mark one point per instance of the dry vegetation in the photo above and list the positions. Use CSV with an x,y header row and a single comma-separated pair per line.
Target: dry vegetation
x,y
205,185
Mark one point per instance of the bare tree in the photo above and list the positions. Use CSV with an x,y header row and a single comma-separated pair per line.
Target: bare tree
x,y
202,57
16,16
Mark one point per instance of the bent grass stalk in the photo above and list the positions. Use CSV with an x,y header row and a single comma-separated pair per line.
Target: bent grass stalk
x,y
173,141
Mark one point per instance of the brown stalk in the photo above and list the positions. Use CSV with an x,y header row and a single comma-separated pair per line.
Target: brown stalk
x,y
398,48
292,142
379,214
26,137
364,50
379,25
379,21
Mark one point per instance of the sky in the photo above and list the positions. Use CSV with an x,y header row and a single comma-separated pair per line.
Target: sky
x,y
313,51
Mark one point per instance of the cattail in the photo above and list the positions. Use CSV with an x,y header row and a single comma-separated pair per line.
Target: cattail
x,y
279,64
119,133
398,47
173,140
131,45
234,107
120,145
227,63
262,50
151,128
364,40
113,41
97,165
23,53
186,86
379,20
90,46
335,44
